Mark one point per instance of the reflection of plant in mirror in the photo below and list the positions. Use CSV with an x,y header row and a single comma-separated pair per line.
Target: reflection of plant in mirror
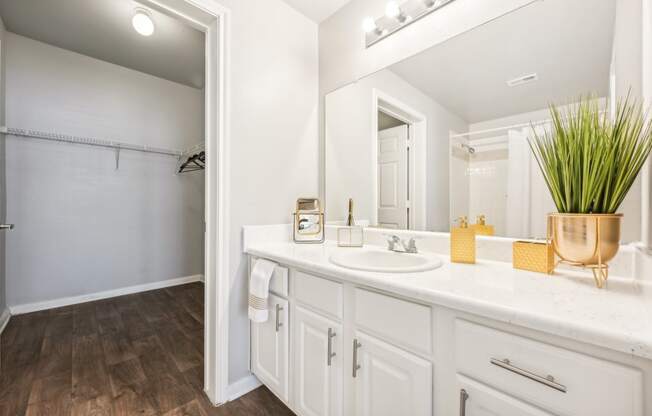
x,y
590,161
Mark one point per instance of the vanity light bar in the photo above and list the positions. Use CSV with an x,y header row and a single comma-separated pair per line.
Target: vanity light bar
x,y
397,17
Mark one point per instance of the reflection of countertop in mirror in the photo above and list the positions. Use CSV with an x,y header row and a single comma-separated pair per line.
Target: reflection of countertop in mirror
x,y
566,304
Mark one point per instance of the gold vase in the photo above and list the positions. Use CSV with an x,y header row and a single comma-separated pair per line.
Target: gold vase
x,y
588,240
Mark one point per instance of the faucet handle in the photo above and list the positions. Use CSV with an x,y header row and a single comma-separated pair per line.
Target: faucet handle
x,y
391,240
411,246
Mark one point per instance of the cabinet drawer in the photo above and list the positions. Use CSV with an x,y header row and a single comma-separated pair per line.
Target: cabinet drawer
x,y
279,281
318,293
553,378
403,323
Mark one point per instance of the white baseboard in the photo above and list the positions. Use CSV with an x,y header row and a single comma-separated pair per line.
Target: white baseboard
x,y
242,387
73,300
4,319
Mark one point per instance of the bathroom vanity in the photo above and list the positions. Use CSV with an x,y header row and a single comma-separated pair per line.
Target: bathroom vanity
x,y
440,135
481,339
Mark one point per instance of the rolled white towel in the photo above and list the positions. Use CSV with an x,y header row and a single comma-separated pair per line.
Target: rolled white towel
x,y
259,290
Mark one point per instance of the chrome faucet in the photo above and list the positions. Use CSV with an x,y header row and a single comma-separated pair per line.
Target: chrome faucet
x,y
393,241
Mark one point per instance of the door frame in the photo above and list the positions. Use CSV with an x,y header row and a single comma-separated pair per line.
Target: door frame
x,y
212,18
646,70
418,128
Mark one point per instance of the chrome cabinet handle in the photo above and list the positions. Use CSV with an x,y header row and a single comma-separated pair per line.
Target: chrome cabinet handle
x,y
331,354
356,366
279,324
6,226
464,396
546,381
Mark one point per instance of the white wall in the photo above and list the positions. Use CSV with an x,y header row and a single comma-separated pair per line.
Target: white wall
x,y
81,225
3,178
348,147
274,143
627,67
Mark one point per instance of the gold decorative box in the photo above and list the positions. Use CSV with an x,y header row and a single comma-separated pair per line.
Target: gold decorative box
x,y
533,256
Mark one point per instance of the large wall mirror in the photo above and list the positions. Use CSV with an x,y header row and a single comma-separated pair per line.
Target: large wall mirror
x,y
444,133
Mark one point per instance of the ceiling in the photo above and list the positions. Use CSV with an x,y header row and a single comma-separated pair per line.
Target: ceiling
x,y
317,10
102,29
565,43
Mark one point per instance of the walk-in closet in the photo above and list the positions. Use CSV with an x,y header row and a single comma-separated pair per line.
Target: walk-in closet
x,y
103,134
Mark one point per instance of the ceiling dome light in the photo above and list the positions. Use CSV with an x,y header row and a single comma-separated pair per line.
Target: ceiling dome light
x,y
369,25
142,22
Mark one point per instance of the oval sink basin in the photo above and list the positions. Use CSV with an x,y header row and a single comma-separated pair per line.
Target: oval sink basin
x,y
384,261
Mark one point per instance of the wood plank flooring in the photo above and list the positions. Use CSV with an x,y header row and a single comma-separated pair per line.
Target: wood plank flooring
x,y
139,354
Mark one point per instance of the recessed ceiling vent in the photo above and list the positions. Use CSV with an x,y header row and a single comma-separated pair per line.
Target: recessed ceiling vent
x,y
525,79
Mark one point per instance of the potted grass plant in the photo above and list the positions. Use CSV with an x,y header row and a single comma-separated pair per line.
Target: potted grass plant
x,y
590,160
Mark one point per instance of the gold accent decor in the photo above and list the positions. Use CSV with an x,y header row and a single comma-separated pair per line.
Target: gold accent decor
x,y
308,221
350,221
462,243
533,256
481,228
586,240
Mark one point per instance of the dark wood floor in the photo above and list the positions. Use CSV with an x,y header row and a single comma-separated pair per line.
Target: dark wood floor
x,y
138,354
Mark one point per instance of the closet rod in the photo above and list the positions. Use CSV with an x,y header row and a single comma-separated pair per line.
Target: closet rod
x,y
87,141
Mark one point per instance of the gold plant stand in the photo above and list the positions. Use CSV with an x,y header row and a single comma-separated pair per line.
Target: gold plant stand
x,y
585,240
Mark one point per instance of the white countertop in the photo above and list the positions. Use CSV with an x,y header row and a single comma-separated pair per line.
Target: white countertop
x,y
566,304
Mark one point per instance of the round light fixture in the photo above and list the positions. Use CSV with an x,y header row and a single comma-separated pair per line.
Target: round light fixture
x,y
142,22
369,25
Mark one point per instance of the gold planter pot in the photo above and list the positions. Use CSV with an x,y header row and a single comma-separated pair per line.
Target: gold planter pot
x,y
587,240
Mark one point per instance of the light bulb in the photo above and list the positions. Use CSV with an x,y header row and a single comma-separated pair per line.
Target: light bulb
x,y
392,10
142,23
369,25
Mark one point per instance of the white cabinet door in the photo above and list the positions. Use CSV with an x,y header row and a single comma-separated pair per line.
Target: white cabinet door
x,y
269,348
389,381
317,378
477,399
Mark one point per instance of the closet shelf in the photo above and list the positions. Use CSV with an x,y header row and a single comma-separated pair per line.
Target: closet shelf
x,y
110,144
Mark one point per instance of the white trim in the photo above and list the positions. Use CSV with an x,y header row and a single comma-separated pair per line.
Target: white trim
x,y
73,300
4,319
646,198
418,157
217,190
243,386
